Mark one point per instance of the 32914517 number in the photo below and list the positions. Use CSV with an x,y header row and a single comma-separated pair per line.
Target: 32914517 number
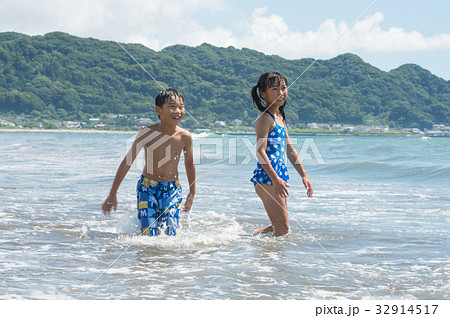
x,y
405,309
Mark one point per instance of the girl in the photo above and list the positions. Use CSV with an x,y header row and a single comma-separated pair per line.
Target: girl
x,y
270,176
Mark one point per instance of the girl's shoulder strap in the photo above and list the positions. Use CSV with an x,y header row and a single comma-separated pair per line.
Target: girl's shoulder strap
x,y
273,117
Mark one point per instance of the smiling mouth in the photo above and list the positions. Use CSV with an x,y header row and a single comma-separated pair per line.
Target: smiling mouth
x,y
176,117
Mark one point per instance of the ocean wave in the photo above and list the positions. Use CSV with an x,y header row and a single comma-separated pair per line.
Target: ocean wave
x,y
385,170
210,229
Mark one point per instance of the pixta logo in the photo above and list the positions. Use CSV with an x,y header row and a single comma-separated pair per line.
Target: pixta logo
x,y
230,150
156,141
242,150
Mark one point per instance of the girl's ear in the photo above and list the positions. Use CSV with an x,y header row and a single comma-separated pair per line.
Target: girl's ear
x,y
262,94
157,110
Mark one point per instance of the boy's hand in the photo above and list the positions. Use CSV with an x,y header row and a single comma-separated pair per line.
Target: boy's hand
x,y
109,204
308,186
189,200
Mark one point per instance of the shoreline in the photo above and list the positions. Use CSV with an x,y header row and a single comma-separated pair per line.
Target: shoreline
x,y
116,132
321,134
67,131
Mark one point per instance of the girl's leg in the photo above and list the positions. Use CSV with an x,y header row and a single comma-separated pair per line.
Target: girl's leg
x,y
264,230
276,209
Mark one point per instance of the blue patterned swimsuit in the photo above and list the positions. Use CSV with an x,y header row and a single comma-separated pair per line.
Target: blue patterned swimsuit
x,y
276,146
158,205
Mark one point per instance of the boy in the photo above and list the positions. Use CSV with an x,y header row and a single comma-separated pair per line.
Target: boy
x,y
158,190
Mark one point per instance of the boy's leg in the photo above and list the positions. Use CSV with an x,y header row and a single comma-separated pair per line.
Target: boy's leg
x,y
173,220
276,209
147,210
172,206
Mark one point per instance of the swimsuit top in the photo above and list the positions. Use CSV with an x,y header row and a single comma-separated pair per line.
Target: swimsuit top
x,y
275,150
276,142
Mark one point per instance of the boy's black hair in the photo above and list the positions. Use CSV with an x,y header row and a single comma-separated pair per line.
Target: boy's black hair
x,y
165,94
267,80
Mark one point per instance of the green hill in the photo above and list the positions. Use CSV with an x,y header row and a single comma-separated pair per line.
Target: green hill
x,y
59,76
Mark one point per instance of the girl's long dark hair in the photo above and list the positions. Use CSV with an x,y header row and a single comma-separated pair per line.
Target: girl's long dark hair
x,y
267,80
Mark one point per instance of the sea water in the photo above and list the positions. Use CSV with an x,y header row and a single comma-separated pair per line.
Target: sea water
x,y
376,227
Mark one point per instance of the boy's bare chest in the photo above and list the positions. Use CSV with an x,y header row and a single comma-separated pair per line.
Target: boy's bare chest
x,y
163,146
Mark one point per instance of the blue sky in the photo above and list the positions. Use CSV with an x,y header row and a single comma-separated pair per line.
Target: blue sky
x,y
390,33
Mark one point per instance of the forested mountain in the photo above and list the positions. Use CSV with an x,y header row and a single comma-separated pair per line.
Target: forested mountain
x,y
60,76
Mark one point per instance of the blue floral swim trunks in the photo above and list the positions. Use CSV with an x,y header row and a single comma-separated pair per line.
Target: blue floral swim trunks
x,y
158,205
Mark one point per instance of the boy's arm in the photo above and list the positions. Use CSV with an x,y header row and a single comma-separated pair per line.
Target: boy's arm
x,y
111,201
294,158
190,172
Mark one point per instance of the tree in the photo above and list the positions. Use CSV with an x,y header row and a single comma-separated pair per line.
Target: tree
x,y
88,78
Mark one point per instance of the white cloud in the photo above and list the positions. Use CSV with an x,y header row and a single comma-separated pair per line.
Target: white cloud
x,y
270,34
156,22
159,23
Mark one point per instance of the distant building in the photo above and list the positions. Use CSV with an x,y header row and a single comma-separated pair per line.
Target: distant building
x,y
236,122
318,126
441,128
348,128
144,121
383,129
4,122
413,130
70,124
220,123
438,131
361,128
312,126
336,127
201,130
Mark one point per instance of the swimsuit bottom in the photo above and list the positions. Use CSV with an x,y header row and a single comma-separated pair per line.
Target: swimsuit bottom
x,y
158,205
260,175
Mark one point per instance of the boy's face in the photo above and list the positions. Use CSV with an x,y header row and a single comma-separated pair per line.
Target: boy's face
x,y
172,111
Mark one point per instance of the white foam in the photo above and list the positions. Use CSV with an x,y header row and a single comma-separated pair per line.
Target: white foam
x,y
128,224
207,229
200,135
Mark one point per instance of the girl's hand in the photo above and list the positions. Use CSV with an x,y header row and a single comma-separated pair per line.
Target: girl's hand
x,y
308,186
280,187
109,204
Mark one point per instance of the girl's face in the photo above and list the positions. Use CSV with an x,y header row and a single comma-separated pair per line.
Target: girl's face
x,y
275,95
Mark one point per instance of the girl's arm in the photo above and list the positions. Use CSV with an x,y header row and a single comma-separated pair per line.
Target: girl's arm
x,y
190,172
294,158
111,201
262,128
